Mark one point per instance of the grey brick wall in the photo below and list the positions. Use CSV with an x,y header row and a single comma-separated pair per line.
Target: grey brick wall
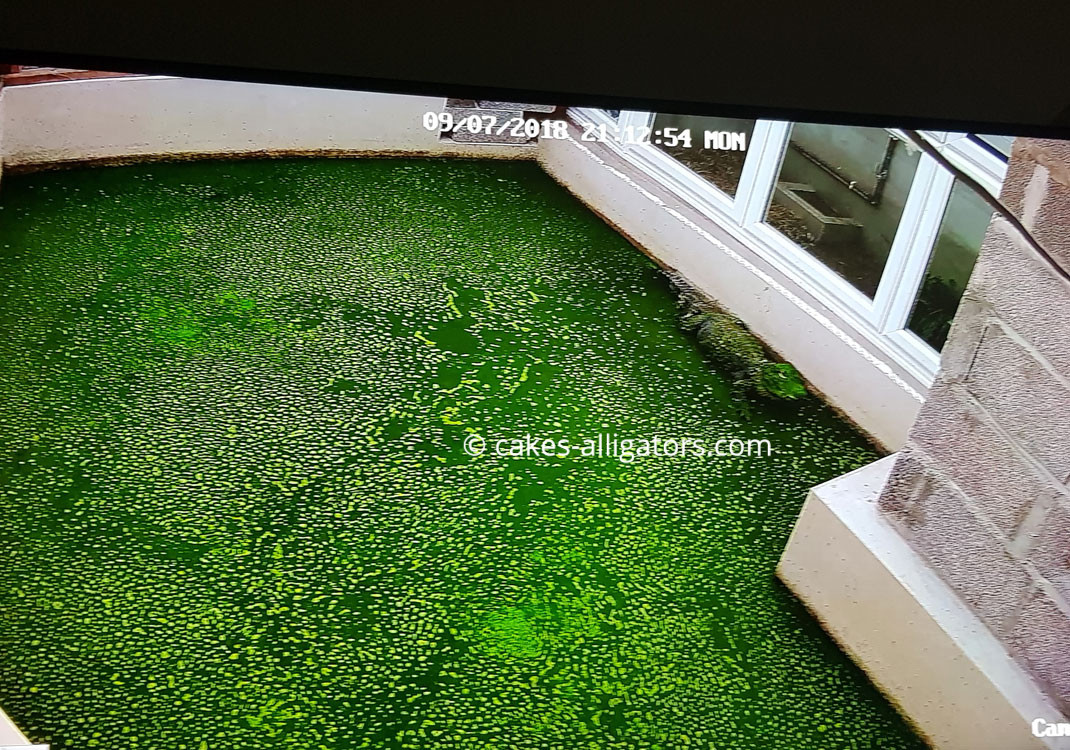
x,y
981,488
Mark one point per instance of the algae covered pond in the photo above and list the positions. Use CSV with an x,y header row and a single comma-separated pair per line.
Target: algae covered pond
x,y
236,511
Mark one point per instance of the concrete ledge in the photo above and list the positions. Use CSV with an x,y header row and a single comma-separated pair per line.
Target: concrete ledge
x,y
918,642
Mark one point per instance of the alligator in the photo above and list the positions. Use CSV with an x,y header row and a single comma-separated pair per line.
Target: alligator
x,y
735,351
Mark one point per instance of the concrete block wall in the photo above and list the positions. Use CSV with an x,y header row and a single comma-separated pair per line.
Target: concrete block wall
x,y
982,487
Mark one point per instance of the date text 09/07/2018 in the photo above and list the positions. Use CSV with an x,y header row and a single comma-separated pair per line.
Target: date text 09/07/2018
x,y
518,127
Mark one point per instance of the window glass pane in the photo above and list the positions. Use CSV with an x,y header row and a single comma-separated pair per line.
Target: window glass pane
x,y
954,253
999,143
719,166
840,195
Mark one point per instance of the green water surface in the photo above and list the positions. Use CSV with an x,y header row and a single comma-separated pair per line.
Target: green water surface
x,y
235,512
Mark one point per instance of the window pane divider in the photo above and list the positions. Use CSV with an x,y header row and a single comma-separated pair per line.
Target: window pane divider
x,y
768,141
912,246
632,119
596,117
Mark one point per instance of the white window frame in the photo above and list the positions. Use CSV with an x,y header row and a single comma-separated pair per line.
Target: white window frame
x,y
882,320
599,117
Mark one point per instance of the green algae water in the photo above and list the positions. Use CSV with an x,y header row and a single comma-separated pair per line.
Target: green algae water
x,y
236,511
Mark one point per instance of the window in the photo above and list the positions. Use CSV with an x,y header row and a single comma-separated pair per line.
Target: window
x,y
1001,144
720,168
840,195
858,216
958,241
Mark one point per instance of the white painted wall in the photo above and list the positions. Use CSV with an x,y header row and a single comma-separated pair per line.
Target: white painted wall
x,y
144,116
851,371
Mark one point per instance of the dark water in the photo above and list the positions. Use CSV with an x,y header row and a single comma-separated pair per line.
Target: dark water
x,y
236,512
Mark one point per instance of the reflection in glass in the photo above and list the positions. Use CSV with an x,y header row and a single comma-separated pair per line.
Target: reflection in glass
x,y
840,195
999,144
954,253
722,168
